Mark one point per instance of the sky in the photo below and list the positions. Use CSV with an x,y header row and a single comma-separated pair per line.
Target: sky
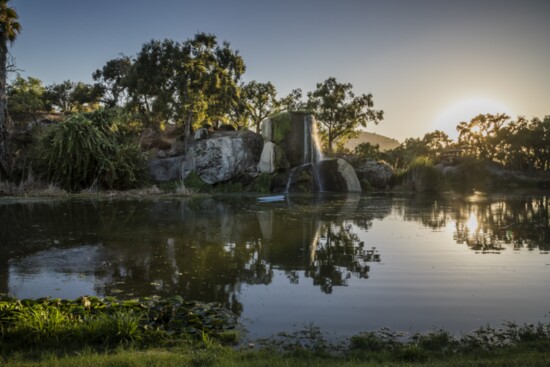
x,y
429,64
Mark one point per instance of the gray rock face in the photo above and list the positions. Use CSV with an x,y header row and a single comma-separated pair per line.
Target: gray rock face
x,y
377,174
273,158
338,175
201,134
224,156
165,169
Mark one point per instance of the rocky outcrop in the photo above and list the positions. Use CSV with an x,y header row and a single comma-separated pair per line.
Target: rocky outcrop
x,y
166,169
293,133
224,156
337,175
377,174
273,158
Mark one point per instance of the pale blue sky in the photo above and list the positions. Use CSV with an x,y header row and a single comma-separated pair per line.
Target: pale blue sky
x,y
428,63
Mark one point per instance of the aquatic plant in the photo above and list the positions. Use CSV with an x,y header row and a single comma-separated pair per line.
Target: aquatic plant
x,y
91,320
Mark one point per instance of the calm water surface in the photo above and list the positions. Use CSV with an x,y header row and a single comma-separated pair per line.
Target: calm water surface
x,y
343,263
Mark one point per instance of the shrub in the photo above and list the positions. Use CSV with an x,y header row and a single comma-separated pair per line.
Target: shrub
x,y
422,176
84,151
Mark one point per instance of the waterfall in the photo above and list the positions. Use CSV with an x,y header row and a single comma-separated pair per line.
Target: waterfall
x,y
311,155
312,151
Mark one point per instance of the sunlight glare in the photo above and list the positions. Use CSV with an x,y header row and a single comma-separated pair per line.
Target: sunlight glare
x,y
465,110
471,223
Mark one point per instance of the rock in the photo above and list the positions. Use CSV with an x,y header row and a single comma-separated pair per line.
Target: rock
x,y
201,134
293,133
377,174
224,156
177,148
273,158
165,169
226,127
301,179
338,175
162,154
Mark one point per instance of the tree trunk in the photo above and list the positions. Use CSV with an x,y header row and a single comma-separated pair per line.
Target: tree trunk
x,y
4,155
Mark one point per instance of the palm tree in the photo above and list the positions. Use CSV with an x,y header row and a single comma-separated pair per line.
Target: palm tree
x,y
9,29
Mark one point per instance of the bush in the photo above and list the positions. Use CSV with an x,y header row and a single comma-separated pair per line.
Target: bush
x,y
422,176
86,150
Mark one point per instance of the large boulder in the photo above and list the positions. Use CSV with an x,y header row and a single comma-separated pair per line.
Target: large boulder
x,y
224,156
378,174
295,133
273,158
166,169
337,175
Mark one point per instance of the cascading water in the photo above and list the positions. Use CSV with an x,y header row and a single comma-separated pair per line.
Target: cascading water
x,y
311,155
312,151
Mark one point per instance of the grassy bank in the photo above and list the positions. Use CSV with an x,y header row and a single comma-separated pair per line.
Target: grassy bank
x,y
173,332
211,354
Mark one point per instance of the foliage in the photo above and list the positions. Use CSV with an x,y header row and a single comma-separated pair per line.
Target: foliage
x,y
86,150
9,30
483,135
422,176
367,151
189,83
112,79
262,183
194,183
340,112
281,126
261,101
431,145
71,96
292,102
91,320
25,97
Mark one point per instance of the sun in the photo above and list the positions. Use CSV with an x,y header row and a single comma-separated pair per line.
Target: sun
x,y
465,110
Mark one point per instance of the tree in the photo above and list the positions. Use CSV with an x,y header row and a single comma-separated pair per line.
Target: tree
x,y
484,135
367,150
293,101
436,142
187,83
72,96
9,29
340,112
112,79
25,98
261,101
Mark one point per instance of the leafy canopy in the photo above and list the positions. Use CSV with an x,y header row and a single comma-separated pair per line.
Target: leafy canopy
x,y
340,112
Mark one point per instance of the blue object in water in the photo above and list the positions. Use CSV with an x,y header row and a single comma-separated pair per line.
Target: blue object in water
x,y
268,199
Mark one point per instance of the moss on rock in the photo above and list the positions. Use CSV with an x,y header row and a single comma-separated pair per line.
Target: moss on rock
x,y
281,126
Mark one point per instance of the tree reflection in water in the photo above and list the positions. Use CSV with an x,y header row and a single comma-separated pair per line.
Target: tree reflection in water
x,y
337,254
207,249
486,225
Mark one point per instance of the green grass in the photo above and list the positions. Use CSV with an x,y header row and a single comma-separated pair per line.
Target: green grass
x,y
174,332
55,324
215,355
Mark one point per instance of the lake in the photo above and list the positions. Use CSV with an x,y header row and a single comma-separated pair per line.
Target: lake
x,y
344,263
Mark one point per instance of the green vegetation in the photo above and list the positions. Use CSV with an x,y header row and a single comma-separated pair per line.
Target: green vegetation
x,y
88,150
340,112
90,321
281,126
9,30
422,176
196,184
262,183
513,345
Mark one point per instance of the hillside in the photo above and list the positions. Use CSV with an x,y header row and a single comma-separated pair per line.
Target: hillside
x,y
373,138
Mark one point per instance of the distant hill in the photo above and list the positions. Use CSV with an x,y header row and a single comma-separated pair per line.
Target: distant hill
x,y
373,138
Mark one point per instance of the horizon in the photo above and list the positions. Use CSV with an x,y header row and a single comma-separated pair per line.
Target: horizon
x,y
429,65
